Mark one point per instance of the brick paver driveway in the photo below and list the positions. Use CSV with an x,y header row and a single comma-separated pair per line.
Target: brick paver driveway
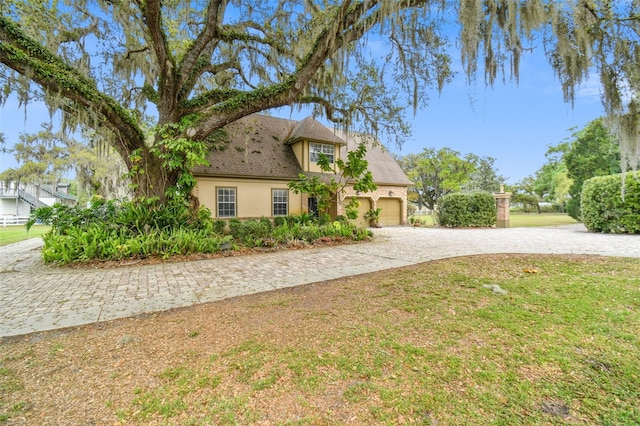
x,y
35,297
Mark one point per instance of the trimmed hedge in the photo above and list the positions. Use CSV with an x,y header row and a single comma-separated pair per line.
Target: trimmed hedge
x,y
604,210
477,209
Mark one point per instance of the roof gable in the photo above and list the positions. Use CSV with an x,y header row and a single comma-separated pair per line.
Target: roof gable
x,y
312,130
384,168
257,147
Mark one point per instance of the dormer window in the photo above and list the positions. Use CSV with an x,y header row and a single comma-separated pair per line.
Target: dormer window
x,y
315,149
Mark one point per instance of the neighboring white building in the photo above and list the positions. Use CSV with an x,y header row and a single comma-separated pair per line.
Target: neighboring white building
x,y
20,199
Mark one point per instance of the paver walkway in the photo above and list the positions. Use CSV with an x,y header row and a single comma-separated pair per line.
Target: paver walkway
x,y
35,297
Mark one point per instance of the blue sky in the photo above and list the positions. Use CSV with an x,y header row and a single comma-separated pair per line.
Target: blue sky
x,y
512,123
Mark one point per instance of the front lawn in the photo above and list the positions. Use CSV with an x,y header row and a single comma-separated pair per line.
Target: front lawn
x,y
520,220
16,233
436,343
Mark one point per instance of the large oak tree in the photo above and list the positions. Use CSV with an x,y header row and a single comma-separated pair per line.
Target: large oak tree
x,y
164,77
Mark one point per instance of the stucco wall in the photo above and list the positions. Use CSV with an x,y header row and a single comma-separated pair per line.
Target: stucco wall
x,y
301,151
253,197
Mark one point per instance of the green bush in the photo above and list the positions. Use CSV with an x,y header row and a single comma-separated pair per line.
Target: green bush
x,y
108,230
234,227
145,228
466,210
254,228
603,207
219,226
573,209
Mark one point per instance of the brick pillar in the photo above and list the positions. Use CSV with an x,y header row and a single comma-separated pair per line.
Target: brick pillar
x,y
502,204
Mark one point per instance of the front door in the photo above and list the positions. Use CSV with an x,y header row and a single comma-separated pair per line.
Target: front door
x,y
313,206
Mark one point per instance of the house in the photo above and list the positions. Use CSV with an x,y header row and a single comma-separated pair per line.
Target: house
x,y
248,176
20,199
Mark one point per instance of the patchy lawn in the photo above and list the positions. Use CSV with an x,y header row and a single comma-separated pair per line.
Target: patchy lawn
x,y
431,344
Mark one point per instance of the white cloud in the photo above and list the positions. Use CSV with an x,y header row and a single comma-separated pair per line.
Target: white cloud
x,y
590,88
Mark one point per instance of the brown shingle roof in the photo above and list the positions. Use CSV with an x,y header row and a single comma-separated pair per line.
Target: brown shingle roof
x,y
312,130
257,147
384,168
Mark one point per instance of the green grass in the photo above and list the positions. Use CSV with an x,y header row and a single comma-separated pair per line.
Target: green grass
x,y
16,233
427,220
520,220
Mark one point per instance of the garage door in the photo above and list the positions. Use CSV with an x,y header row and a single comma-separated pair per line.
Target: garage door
x,y
365,206
391,213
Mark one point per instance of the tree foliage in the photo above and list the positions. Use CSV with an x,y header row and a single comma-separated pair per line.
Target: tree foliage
x,y
45,153
134,67
591,151
524,192
485,177
326,188
604,209
436,173
47,156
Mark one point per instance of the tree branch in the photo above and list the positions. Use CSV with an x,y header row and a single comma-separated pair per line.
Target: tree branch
x,y
27,57
200,44
348,24
167,87
130,52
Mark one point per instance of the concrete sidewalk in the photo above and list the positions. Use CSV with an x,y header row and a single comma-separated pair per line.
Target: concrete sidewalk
x,y
35,297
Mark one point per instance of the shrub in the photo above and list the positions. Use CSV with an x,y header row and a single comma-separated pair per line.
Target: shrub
x,y
219,225
253,228
234,227
144,228
108,230
285,233
573,209
303,218
309,233
266,222
466,210
362,234
603,208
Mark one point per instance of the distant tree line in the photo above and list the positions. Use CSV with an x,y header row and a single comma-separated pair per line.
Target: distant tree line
x,y
436,173
591,151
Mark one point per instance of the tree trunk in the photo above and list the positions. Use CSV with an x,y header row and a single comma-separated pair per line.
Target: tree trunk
x,y
149,177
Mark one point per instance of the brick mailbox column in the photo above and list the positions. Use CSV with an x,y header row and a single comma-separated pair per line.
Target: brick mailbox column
x,y
502,203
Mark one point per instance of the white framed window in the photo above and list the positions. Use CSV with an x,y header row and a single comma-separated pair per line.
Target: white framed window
x,y
315,149
226,200
280,202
